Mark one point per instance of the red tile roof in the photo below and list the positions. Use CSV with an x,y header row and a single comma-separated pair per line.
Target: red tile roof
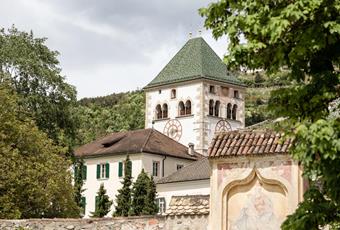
x,y
136,141
248,142
188,205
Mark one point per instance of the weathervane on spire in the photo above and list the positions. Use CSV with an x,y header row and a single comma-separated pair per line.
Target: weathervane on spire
x,y
190,35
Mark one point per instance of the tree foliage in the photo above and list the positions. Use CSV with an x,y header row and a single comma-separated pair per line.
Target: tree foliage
x,y
79,175
35,180
99,116
35,75
103,203
123,198
303,36
143,196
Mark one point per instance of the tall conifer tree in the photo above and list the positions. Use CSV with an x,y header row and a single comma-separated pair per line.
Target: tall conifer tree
x,y
139,194
103,203
150,207
123,199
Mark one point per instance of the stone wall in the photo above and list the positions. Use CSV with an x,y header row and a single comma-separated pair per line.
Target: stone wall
x,y
129,223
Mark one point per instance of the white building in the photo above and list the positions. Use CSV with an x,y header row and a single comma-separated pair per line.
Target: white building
x,y
191,99
148,149
195,96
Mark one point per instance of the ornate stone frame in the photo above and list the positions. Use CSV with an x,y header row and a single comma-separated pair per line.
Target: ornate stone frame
x,y
254,173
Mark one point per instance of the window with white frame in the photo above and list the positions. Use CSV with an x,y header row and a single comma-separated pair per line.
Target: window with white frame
x,y
155,168
161,205
103,171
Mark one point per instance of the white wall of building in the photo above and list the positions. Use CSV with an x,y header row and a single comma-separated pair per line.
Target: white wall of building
x,y
113,183
188,91
199,128
170,163
197,187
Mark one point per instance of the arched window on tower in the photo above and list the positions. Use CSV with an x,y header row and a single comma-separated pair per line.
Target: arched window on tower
x,y
158,112
211,107
234,112
165,111
173,93
229,111
188,107
181,108
217,108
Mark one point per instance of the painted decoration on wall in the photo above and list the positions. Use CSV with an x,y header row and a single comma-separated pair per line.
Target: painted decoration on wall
x,y
173,129
256,206
257,214
279,168
222,126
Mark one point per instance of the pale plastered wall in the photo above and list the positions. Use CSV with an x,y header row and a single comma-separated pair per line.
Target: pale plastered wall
x,y
170,163
197,187
200,127
188,91
113,183
253,192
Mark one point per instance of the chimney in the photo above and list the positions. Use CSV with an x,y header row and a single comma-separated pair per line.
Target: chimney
x,y
191,150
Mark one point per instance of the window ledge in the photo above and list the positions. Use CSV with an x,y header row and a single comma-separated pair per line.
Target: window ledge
x,y
212,116
161,119
102,179
184,116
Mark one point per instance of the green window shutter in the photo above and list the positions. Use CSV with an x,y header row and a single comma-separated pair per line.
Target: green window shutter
x,y
107,170
120,169
84,172
98,171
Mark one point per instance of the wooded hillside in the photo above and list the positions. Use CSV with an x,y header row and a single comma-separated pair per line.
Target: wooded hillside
x,y
125,111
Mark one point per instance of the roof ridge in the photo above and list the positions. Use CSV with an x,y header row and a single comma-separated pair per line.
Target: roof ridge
x,y
147,139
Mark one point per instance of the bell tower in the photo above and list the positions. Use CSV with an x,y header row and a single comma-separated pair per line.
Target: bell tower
x,y
194,96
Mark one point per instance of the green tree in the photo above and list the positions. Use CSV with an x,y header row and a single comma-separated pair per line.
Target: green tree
x,y
151,207
79,176
34,72
103,203
143,196
35,181
123,198
113,113
303,36
139,194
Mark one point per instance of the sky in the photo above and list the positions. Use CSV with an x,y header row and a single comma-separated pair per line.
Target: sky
x,y
111,46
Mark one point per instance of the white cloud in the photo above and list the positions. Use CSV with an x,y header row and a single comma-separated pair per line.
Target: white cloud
x,y
110,46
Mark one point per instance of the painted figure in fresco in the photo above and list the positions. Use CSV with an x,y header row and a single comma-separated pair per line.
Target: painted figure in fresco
x,y
257,214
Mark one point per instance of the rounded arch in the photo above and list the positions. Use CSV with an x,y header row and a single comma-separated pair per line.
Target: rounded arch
x,y
181,108
229,111
188,107
165,110
234,112
211,107
158,111
173,93
217,108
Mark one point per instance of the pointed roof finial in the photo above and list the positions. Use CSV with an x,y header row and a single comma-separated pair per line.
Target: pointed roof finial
x,y
200,33
190,35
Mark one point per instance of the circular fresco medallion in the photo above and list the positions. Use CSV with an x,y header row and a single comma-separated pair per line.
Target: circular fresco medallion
x,y
173,129
222,126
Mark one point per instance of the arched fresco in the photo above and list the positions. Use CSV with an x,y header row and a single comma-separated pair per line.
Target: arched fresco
x,y
254,203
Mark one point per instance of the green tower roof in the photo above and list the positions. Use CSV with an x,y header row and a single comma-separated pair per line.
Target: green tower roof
x,y
196,60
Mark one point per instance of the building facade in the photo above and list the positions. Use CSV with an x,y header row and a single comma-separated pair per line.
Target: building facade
x,y
148,149
194,97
